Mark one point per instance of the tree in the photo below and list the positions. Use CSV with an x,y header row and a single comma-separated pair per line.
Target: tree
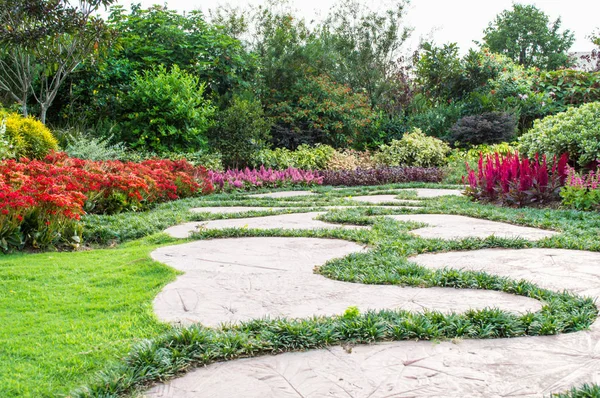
x,y
147,38
365,45
526,35
42,42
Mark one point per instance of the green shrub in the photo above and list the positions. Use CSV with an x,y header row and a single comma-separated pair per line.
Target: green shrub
x,y
240,131
321,110
487,128
580,198
414,149
576,131
570,87
6,147
434,119
165,111
28,136
305,157
94,148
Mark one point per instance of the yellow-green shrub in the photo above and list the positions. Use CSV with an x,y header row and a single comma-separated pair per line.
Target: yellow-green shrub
x,y
414,149
30,137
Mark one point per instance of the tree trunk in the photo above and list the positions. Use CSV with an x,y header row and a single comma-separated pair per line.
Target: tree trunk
x,y
43,111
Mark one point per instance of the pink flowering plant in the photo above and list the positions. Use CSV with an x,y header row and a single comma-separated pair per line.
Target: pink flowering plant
x,y
582,192
515,181
248,179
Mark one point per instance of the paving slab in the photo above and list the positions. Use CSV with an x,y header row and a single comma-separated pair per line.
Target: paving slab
x,y
433,192
377,199
231,280
247,209
283,221
235,209
519,367
445,226
282,194
523,367
555,269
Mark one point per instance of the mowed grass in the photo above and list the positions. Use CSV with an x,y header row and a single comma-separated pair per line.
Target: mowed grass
x,y
64,316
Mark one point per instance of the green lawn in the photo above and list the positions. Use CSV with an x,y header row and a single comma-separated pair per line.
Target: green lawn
x,y
63,316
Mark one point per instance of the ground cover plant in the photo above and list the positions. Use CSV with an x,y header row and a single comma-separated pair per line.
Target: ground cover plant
x,y
259,178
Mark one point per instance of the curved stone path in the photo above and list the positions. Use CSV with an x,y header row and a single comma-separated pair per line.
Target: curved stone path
x,y
254,281
283,221
378,199
433,192
445,226
281,194
230,280
554,269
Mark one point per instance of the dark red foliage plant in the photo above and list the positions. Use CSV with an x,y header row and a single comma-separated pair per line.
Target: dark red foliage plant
x,y
387,175
515,181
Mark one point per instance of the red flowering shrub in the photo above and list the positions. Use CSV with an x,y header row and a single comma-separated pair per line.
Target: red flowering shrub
x,y
514,181
42,201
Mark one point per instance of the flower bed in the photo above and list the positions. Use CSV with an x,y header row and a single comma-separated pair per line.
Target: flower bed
x,y
262,178
388,175
515,181
582,192
42,201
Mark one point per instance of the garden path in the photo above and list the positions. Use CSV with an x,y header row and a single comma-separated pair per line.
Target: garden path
x,y
524,367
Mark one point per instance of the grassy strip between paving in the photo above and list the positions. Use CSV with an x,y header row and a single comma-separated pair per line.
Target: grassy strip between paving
x,y
585,391
70,314
184,348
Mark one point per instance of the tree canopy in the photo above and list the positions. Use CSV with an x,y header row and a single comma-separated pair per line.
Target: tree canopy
x,y
527,36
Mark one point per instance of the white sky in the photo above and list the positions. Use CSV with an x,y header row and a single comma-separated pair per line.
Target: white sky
x,y
460,21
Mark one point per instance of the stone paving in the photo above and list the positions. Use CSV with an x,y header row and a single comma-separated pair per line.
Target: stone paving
x,y
282,194
378,199
433,193
283,221
229,280
444,226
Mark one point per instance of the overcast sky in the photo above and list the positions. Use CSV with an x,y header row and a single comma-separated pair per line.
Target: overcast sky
x,y
460,21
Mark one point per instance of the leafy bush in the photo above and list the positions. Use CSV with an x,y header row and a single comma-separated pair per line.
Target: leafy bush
x,y
350,159
380,176
262,178
6,147
487,128
94,148
414,149
513,181
165,111
576,132
240,131
503,149
569,87
321,110
28,136
434,119
582,192
304,157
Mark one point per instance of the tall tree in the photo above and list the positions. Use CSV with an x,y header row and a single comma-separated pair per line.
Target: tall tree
x,y
42,42
366,45
527,36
